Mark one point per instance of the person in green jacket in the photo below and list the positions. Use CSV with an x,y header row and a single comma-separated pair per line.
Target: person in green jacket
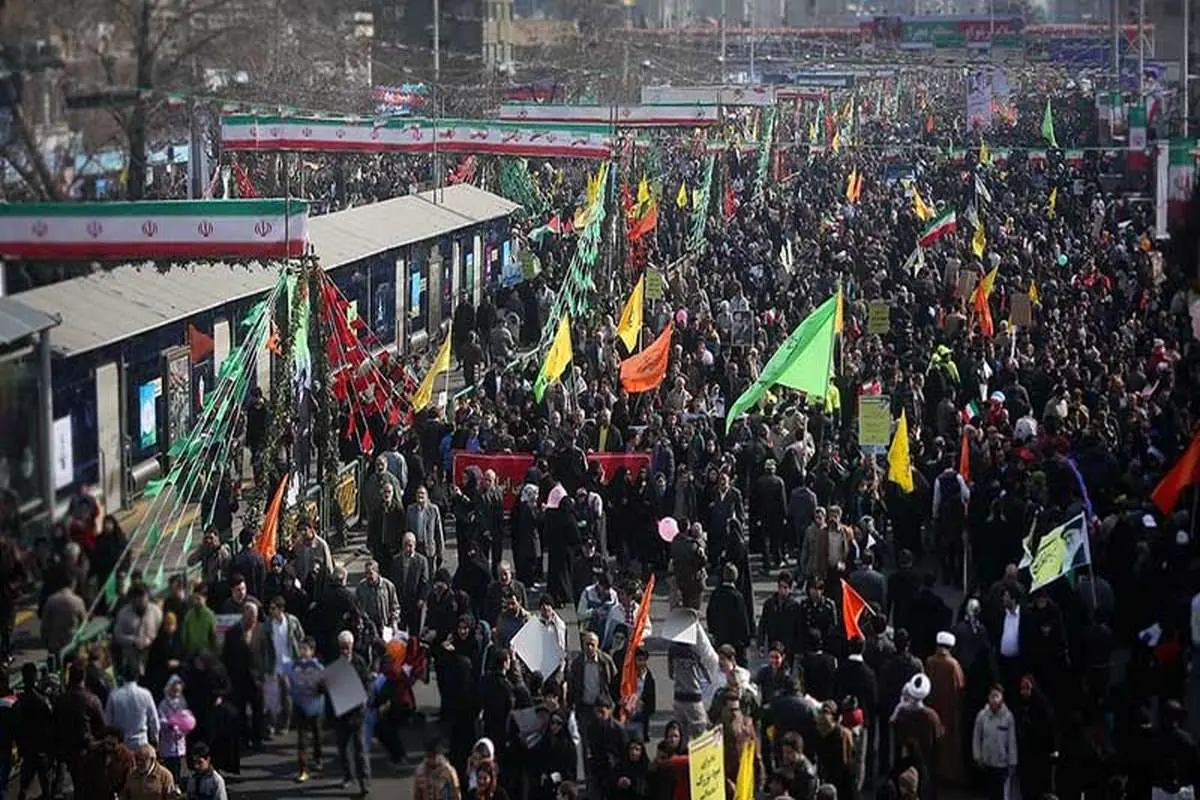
x,y
198,633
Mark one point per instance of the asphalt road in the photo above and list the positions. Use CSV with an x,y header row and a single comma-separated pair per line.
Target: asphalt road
x,y
271,773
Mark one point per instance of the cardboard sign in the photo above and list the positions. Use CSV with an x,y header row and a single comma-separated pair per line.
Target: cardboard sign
x,y
874,423
879,317
1021,310
966,282
655,285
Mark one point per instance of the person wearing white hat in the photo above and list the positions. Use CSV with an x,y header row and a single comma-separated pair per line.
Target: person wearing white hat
x,y
946,695
916,726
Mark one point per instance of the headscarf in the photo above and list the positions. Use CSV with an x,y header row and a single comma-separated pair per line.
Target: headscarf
x,y
529,494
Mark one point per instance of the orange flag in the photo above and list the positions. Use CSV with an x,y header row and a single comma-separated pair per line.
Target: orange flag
x,y
200,344
629,666
964,458
646,370
267,537
647,223
1185,473
852,608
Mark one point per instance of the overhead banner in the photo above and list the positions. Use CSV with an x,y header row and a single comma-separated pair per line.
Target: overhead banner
x,y
244,132
648,116
709,95
510,468
167,229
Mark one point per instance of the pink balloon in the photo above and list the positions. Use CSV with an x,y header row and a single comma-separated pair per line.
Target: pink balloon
x,y
183,720
668,529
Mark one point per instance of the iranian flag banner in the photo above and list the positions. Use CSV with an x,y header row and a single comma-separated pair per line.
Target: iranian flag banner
x,y
169,229
656,116
1181,175
944,224
407,135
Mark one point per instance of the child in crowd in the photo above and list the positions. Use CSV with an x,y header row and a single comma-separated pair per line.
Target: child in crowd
x,y
309,705
173,721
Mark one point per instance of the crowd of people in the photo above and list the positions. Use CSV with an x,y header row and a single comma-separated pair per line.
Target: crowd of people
x,y
954,679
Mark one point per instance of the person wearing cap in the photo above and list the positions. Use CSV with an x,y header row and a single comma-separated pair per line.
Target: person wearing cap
x,y
914,724
946,698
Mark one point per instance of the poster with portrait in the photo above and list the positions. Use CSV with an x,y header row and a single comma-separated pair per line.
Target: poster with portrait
x,y
177,384
742,332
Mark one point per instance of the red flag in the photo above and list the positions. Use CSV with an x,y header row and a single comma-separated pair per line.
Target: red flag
x,y
1185,473
245,187
852,607
983,309
269,534
200,344
964,458
647,223
730,201
629,667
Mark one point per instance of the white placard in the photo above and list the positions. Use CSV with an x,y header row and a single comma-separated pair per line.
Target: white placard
x,y
538,647
64,453
344,687
681,625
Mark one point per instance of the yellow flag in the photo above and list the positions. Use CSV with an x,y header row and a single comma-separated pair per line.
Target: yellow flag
x,y
557,359
985,155
923,212
839,319
643,195
681,198
836,144
989,282
744,788
1035,296
978,242
899,466
594,185
850,182
630,324
441,363
1052,203
695,198
812,133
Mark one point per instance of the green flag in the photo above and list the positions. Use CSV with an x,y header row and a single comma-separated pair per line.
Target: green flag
x,y
804,361
1048,126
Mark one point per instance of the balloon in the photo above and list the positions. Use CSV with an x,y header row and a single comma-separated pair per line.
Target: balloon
x,y
668,529
1062,259
183,720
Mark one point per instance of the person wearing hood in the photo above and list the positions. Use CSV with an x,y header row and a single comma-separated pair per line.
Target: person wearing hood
x,y
632,775
149,779
737,684
526,521
994,743
173,718
946,698
561,534
1037,738
483,754
916,727
973,651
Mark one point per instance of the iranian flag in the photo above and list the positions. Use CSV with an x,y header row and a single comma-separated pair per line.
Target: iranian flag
x,y
946,223
1181,173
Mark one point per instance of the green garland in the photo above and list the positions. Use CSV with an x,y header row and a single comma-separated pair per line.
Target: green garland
x,y
517,186
324,439
697,241
764,154
283,394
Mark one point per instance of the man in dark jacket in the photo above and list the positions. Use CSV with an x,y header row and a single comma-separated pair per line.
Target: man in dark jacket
x,y
780,619
249,656
491,520
250,564
34,718
78,721
869,582
768,512
728,622
856,679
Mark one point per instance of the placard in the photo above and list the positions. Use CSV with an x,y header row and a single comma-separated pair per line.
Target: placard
x,y
874,423
537,646
1021,310
64,453
344,688
706,766
879,317
655,285
742,334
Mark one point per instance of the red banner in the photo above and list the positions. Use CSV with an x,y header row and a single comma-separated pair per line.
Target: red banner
x,y
510,468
